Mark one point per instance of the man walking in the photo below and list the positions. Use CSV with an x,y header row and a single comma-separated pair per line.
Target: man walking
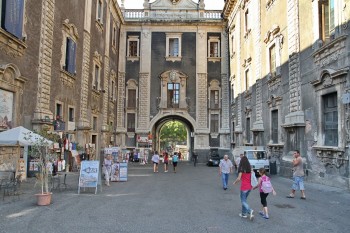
x,y
298,176
225,168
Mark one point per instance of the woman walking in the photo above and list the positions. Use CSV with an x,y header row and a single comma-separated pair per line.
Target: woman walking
x,y
244,175
166,161
155,160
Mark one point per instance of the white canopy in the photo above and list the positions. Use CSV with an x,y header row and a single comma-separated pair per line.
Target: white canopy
x,y
20,136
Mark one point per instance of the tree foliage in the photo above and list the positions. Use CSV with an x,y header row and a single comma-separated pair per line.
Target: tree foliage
x,y
173,132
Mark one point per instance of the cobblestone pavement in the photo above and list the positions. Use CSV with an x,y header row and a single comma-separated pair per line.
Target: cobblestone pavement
x,y
191,200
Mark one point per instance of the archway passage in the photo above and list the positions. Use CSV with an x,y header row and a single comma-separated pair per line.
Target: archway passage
x,y
173,134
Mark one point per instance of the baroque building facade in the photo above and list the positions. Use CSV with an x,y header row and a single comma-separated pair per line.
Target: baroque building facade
x,y
289,77
173,66
58,68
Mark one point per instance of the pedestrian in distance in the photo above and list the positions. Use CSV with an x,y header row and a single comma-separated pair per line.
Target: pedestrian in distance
x,y
244,176
107,168
166,161
298,176
195,158
225,168
175,160
265,187
155,160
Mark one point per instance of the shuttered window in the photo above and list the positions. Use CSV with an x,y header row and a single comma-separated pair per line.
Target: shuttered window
x,y
131,122
12,16
131,98
214,123
70,56
274,126
330,119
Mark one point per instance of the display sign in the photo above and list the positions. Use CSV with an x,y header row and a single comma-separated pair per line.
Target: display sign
x,y
123,171
89,171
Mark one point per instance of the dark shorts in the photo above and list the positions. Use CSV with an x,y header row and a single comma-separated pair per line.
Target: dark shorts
x,y
155,163
174,164
165,162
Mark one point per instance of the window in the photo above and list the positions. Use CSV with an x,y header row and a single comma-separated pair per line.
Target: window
x,y
233,47
213,47
330,121
274,126
272,59
246,21
94,123
112,91
70,56
214,123
214,99
59,110
233,131
99,11
114,36
247,80
173,46
133,48
131,122
11,16
131,98
232,92
96,79
326,19
247,130
71,114
173,95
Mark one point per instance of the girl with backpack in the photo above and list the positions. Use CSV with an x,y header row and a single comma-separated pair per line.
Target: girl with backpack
x,y
265,187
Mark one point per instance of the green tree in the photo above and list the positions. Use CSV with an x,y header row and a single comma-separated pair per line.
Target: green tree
x,y
173,132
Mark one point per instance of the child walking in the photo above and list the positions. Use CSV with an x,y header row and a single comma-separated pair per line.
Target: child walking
x,y
265,188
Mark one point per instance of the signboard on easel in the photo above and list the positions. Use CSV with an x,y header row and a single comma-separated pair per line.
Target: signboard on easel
x,y
89,175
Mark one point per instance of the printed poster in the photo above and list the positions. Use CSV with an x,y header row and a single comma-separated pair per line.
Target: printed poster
x,y
89,173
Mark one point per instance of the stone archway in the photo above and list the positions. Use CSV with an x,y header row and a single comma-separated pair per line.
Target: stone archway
x,y
160,122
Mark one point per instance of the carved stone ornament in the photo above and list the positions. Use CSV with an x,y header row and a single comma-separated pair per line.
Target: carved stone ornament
x,y
331,157
174,1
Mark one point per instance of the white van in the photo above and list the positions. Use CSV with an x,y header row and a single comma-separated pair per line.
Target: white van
x,y
257,157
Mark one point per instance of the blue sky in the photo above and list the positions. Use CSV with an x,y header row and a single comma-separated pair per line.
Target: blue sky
x,y
209,4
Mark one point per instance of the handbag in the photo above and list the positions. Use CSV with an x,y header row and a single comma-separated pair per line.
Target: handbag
x,y
253,180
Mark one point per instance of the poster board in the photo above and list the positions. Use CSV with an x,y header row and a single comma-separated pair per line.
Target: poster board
x,y
123,171
89,175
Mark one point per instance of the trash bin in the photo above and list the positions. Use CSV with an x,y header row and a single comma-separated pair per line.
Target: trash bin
x,y
273,168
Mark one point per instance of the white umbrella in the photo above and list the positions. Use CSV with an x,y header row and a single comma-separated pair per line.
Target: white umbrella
x,y
21,136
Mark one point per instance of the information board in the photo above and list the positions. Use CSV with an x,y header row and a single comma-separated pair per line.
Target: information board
x,y
123,171
89,171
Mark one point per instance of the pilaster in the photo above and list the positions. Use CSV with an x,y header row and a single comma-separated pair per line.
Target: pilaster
x,y
42,109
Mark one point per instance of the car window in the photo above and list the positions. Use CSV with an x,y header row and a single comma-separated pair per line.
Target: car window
x,y
255,154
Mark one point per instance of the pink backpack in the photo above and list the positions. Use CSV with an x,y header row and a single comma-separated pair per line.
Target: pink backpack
x,y
266,185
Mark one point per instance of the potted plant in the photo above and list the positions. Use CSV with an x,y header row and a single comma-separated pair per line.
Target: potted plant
x,y
41,151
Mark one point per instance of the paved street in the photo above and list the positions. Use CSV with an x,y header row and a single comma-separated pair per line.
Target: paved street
x,y
192,200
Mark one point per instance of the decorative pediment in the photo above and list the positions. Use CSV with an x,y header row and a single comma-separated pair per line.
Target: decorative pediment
x,y
71,29
327,77
274,101
98,58
132,84
10,73
247,61
271,34
214,85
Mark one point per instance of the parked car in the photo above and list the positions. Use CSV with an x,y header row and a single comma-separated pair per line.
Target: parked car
x,y
257,157
213,160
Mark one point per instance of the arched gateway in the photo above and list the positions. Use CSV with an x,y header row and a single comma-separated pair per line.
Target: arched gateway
x,y
170,69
